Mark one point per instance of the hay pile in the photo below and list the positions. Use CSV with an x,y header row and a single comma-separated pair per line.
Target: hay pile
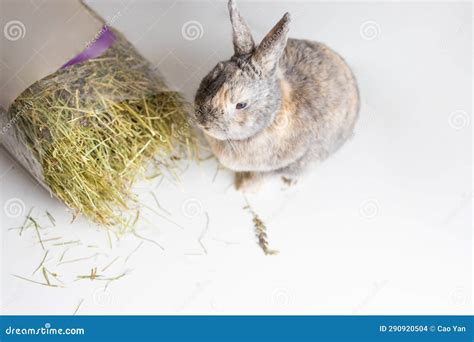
x,y
93,128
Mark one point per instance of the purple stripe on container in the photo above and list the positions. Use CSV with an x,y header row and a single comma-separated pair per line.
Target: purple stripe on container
x,y
105,39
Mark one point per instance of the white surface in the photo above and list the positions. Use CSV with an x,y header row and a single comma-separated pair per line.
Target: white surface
x,y
382,227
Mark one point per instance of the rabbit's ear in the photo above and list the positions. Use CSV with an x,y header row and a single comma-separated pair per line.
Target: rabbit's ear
x,y
241,35
271,48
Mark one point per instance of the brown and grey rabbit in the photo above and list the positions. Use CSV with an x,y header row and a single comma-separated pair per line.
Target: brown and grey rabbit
x,y
274,108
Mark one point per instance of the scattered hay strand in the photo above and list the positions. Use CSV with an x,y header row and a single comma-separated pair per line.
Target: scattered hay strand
x,y
54,275
63,254
110,264
112,279
45,275
109,239
261,231
78,307
73,242
51,218
35,282
201,237
162,216
42,263
134,251
37,228
92,276
134,232
51,278
159,205
203,233
27,219
218,167
52,239
79,259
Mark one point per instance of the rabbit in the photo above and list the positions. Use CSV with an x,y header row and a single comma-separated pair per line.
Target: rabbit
x,y
275,108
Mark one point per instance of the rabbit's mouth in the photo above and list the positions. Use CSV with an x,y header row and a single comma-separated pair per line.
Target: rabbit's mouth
x,y
215,132
216,126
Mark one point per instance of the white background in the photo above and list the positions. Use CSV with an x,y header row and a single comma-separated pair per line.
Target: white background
x,y
382,227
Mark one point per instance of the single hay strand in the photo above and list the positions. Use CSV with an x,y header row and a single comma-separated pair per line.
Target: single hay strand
x,y
75,242
148,240
78,307
27,219
261,231
42,263
51,218
37,228
34,281
203,233
159,205
79,259
54,275
45,275
134,251
110,264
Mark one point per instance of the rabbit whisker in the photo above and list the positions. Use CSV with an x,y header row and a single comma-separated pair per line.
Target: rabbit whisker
x,y
229,141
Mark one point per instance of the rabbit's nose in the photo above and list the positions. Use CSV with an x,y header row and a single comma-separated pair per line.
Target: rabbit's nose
x,y
204,121
201,120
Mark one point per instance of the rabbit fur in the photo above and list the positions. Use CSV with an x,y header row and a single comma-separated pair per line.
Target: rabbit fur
x,y
276,107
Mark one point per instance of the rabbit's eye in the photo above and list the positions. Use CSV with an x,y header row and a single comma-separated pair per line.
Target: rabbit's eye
x,y
240,105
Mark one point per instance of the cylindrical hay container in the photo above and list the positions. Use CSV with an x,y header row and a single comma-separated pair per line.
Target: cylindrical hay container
x,y
83,111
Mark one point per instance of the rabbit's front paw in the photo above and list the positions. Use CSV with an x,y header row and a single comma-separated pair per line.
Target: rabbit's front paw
x,y
287,181
248,182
